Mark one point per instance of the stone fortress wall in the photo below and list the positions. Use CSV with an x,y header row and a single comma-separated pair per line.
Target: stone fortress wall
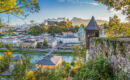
x,y
117,50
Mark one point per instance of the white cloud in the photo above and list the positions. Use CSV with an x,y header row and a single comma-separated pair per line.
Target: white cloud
x,y
94,3
80,2
113,11
73,1
91,3
118,13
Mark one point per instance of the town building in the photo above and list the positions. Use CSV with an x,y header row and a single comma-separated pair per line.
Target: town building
x,y
4,28
52,43
49,61
81,35
13,41
28,44
68,37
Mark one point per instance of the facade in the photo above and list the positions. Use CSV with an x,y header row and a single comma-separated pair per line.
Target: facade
x,y
52,43
28,44
13,41
2,29
92,30
69,33
68,37
49,61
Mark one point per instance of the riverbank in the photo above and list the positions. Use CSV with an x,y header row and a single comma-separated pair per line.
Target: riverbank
x,y
34,51
61,53
24,52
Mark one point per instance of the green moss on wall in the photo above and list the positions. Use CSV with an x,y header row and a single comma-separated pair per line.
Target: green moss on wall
x,y
117,46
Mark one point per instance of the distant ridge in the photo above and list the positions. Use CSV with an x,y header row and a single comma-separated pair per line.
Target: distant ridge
x,y
79,21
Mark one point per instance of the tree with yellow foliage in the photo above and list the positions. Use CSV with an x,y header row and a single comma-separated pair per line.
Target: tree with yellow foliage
x,y
116,29
18,7
1,57
8,54
30,76
46,28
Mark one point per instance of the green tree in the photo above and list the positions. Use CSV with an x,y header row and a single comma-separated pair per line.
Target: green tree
x,y
0,22
8,46
123,5
36,30
45,43
52,74
1,44
79,52
4,64
96,69
19,71
66,69
61,27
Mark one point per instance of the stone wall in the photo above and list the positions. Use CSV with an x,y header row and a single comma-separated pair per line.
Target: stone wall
x,y
117,50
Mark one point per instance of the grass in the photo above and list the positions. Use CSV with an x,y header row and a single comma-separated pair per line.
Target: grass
x,y
24,52
62,53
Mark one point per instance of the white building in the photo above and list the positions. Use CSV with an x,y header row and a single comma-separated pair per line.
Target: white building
x,y
2,29
28,44
68,39
52,43
13,41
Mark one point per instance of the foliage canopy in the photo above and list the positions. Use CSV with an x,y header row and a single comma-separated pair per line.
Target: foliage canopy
x,y
123,5
18,7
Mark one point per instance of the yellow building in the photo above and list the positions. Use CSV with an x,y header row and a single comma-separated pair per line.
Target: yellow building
x,y
50,61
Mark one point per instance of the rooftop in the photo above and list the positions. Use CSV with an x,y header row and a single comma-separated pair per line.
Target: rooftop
x,y
49,60
92,25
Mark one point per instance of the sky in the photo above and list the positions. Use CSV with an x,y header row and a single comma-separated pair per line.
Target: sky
x,y
66,8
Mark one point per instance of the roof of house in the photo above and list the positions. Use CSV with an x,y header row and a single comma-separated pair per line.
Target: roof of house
x,y
49,60
92,25
51,41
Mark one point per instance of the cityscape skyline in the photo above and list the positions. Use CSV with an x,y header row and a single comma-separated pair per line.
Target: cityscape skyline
x,y
84,9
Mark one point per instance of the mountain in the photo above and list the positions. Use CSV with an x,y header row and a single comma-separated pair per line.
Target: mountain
x,y
79,21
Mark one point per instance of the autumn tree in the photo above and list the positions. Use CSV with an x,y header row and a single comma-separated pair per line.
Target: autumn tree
x,y
30,75
123,5
115,28
83,25
18,7
46,27
8,54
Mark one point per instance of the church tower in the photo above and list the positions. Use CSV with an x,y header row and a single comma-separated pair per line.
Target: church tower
x,y
92,30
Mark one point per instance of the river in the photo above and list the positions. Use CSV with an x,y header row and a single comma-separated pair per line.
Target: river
x,y
36,57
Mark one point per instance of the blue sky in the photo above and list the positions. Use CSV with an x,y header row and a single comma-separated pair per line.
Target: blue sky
x,y
66,8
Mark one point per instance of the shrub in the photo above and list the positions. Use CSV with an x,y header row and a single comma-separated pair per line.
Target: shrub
x,y
96,69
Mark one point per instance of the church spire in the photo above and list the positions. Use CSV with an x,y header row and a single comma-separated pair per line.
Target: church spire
x,y
92,25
